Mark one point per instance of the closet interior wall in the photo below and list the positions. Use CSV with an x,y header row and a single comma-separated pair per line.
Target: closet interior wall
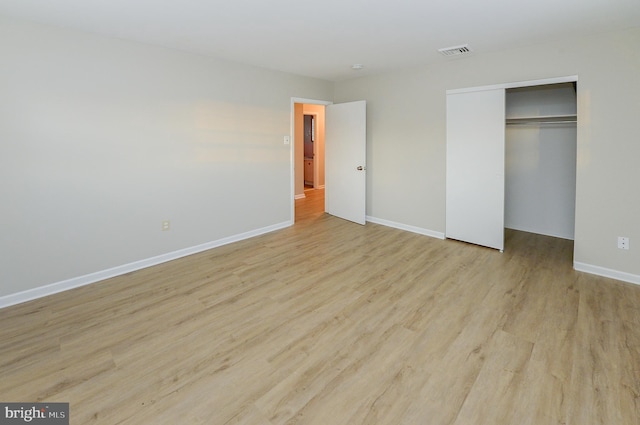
x,y
540,159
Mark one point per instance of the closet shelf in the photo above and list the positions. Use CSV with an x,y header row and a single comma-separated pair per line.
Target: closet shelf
x,y
543,119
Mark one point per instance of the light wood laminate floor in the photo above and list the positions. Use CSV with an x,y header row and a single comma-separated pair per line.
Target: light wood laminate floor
x,y
328,322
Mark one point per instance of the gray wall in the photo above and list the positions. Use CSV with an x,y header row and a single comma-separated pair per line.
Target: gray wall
x,y
102,139
406,136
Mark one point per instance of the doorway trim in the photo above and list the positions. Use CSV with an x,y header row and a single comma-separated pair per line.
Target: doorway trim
x,y
292,144
518,84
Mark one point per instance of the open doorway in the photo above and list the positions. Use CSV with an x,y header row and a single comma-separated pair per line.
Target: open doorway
x,y
309,159
340,158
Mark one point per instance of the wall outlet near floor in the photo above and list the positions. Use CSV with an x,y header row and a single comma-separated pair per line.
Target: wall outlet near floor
x,y
165,225
623,242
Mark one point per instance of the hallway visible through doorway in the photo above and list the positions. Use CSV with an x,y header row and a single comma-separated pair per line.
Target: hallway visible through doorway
x,y
309,164
311,206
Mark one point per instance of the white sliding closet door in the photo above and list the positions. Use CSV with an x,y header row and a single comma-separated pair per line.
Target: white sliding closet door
x,y
475,167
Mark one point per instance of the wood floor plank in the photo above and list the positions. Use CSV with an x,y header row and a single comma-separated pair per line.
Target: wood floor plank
x,y
492,397
330,322
604,361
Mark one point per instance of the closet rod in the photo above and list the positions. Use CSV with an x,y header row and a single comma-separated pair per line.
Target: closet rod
x,y
543,119
541,122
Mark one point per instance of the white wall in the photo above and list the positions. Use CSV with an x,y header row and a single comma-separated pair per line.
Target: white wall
x,y
102,139
540,162
406,136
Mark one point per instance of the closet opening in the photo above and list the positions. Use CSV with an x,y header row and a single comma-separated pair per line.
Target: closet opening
x,y
540,162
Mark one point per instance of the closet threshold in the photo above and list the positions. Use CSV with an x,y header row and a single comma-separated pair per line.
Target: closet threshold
x,y
544,119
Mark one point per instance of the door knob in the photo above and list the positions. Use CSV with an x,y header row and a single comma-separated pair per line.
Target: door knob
x,y
360,168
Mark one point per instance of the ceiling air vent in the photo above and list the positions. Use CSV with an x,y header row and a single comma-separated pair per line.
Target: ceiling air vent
x,y
455,50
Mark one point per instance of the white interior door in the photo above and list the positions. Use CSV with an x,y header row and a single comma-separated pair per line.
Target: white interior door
x,y
345,160
475,167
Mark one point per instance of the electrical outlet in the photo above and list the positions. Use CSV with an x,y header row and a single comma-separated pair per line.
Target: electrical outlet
x,y
623,242
165,225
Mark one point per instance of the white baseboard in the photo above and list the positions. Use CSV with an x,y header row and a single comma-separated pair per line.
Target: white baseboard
x,y
408,228
567,236
54,288
605,272
300,196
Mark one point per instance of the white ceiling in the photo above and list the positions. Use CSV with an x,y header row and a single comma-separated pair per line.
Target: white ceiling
x,y
323,38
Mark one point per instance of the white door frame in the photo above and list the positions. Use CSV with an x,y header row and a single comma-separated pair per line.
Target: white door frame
x,y
518,84
292,157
